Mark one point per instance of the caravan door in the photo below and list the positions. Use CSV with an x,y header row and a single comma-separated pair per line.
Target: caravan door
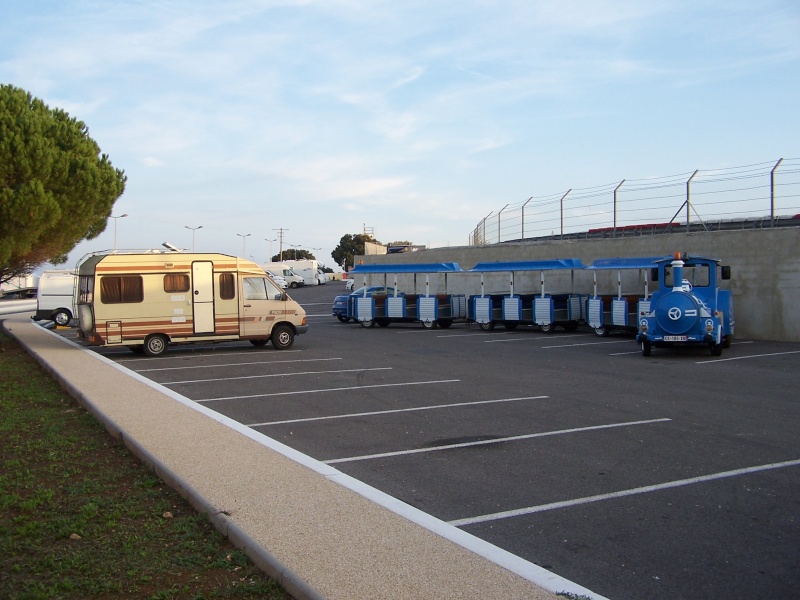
x,y
261,304
203,296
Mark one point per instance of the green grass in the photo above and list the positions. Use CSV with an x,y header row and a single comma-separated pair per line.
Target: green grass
x,y
81,517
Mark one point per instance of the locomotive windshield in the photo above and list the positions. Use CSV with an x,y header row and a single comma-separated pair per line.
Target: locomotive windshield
x,y
697,275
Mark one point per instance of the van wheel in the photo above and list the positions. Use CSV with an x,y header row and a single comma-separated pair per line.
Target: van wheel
x,y
155,344
61,317
259,343
293,284
282,337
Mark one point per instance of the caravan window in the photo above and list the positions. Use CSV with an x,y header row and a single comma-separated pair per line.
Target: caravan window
x,y
227,287
86,289
176,282
254,288
118,289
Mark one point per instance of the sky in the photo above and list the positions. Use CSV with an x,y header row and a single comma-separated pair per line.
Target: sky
x,y
411,120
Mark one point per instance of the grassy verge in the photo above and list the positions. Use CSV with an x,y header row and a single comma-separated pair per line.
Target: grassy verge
x,y
80,517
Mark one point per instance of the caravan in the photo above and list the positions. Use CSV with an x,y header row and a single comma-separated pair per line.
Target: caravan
x,y
149,300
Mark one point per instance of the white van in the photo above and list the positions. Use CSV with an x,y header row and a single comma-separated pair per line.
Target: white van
x,y
55,298
284,270
147,301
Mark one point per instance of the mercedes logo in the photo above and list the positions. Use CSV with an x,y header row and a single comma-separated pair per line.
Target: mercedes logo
x,y
674,313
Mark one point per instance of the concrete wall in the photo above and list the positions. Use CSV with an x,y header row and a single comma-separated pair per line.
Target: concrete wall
x,y
765,266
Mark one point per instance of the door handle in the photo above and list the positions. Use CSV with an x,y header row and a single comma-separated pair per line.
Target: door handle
x,y
246,305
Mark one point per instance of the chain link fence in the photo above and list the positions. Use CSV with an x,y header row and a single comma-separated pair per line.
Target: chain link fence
x,y
761,195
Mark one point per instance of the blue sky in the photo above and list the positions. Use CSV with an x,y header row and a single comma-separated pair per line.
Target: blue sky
x,y
413,119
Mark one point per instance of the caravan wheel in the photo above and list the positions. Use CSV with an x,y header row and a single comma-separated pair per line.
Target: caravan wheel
x,y
155,344
282,337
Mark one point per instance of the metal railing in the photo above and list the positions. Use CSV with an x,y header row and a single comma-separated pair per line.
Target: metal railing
x,y
761,195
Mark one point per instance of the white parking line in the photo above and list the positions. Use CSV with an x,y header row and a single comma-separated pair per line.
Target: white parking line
x,y
492,441
340,389
276,375
483,333
631,492
238,364
719,360
536,339
196,354
589,344
399,410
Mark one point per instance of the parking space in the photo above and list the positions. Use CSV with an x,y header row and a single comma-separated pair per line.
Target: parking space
x,y
673,476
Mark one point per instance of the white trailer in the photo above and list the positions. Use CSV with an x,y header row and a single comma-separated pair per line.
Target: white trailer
x,y
309,270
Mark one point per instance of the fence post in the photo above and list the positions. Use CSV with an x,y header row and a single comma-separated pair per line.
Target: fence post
x,y
772,193
498,222
562,211
523,217
615,207
689,199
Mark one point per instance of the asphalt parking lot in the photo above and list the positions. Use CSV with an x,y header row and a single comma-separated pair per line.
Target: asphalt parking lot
x,y
673,476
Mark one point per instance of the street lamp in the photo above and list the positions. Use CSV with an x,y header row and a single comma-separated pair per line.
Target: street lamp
x,y
193,230
270,247
115,228
295,246
243,236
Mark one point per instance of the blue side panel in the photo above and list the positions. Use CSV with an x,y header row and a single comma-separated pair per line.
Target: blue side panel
x,y
365,308
459,306
395,307
512,309
575,306
427,308
543,310
594,312
407,268
481,309
619,312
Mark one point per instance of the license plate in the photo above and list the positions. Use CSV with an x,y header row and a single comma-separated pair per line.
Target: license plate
x,y
675,338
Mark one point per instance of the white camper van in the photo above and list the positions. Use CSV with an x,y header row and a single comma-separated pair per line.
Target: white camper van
x,y
55,298
285,270
149,300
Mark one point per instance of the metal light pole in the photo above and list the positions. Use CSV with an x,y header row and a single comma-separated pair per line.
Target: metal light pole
x,y
270,247
115,228
193,230
243,236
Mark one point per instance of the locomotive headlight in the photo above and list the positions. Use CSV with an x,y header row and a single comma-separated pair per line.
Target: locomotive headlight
x,y
709,326
643,325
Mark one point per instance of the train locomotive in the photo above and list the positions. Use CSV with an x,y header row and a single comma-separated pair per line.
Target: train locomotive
x,y
689,307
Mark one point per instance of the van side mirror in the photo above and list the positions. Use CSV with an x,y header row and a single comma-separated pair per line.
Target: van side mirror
x,y
654,274
284,296
726,272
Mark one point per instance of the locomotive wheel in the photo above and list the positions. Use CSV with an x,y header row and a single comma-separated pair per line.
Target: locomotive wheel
x,y
487,326
601,331
368,323
445,323
726,341
716,349
646,348
382,322
549,328
510,326
429,324
342,319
